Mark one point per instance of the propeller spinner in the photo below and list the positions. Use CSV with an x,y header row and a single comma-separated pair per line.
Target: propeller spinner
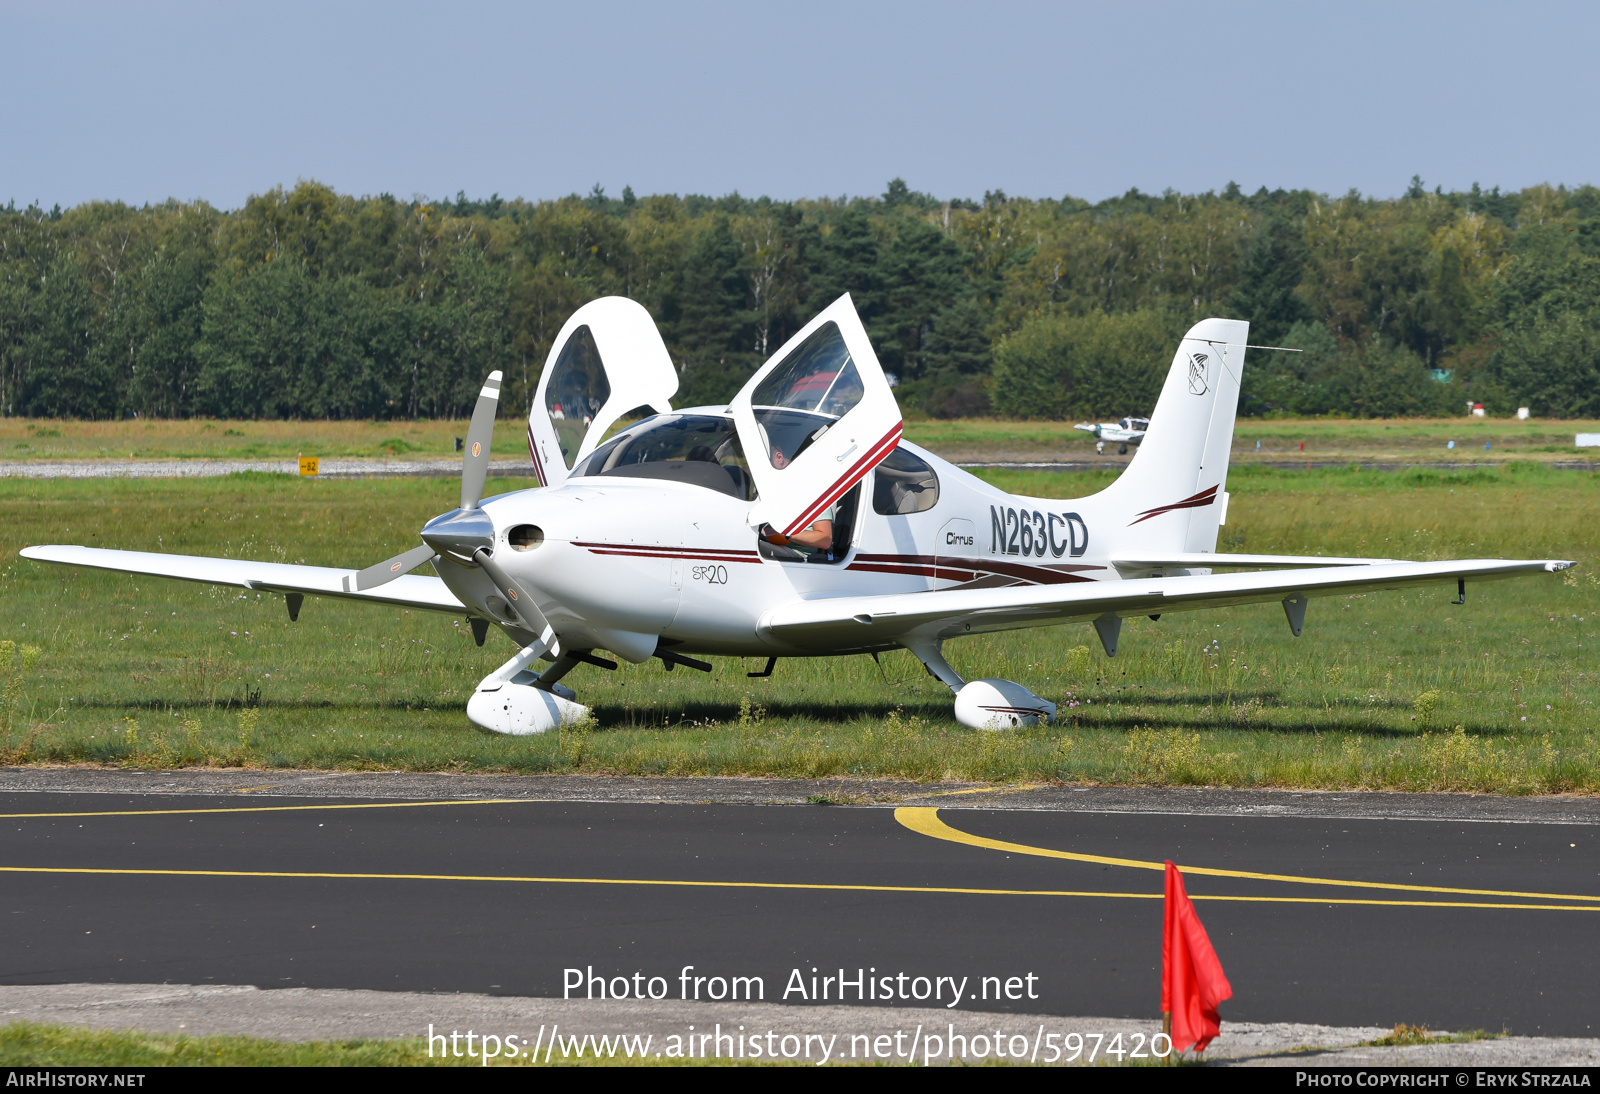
x,y
467,535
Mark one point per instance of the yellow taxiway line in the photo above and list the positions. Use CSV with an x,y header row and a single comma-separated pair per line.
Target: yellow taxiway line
x,y
782,885
924,820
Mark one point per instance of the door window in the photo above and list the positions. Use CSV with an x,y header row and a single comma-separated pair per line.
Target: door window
x,y
606,365
904,483
814,386
577,390
815,420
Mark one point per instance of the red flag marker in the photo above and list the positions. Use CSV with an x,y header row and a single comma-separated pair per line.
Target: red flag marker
x,y
1192,983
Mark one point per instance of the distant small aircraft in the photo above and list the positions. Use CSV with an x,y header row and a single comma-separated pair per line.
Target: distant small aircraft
x,y
793,521
1127,431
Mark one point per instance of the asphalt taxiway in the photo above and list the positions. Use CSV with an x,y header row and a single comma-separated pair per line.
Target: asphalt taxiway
x,y
1364,914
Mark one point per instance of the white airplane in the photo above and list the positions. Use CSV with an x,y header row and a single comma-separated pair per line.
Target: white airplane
x,y
1127,431
795,522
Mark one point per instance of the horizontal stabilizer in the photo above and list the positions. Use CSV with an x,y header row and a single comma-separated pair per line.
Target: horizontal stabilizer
x,y
411,591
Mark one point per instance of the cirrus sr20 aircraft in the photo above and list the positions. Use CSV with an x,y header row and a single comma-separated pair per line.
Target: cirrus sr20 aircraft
x,y
795,522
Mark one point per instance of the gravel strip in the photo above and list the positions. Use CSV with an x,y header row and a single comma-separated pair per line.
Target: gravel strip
x,y
201,469
367,468
236,783
1492,1052
312,1014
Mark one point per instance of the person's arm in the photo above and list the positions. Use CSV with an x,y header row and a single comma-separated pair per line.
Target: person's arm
x,y
819,535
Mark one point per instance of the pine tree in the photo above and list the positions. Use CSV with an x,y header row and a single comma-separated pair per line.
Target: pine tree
x,y
715,328
1266,294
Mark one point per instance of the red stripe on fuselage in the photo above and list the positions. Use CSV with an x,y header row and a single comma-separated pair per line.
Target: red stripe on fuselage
x,y
693,554
915,571
686,552
969,568
858,470
691,558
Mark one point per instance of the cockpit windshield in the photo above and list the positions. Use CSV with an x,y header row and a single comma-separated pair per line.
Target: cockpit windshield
x,y
699,449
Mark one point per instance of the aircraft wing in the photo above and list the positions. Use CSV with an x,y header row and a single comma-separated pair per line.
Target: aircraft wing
x,y
863,621
410,591
1132,564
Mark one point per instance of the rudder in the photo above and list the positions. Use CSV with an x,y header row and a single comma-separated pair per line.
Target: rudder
x,y
1174,492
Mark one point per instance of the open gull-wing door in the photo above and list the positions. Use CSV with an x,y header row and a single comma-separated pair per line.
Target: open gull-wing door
x,y
608,359
815,419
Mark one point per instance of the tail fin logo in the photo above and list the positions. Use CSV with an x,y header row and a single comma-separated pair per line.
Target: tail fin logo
x,y
1197,374
1193,501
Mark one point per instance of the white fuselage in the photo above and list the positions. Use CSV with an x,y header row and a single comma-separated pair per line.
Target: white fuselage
x,y
625,561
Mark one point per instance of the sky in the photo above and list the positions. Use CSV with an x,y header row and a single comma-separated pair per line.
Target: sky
x,y
140,102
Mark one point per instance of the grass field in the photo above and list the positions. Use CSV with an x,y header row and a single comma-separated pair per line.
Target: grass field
x,y
1396,690
199,438
28,1044
1325,439
966,440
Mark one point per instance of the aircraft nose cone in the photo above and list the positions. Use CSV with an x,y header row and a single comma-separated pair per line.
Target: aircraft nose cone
x,y
459,532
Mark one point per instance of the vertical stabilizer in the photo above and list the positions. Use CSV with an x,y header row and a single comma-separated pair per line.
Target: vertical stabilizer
x,y
1173,496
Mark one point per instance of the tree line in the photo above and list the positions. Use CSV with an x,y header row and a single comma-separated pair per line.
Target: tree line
x,y
306,303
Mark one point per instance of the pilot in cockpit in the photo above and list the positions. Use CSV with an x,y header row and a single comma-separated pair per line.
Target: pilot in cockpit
x,y
817,536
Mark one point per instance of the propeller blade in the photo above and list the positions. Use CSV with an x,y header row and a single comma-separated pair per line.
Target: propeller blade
x,y
521,603
391,568
475,454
